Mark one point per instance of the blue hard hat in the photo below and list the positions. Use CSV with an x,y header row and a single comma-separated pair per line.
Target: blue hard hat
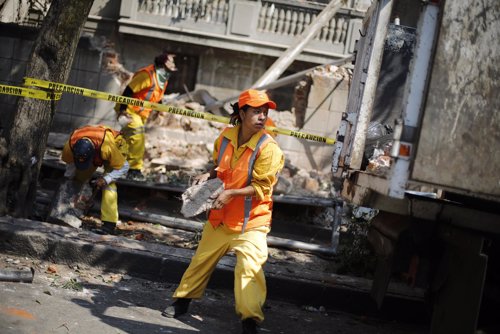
x,y
83,153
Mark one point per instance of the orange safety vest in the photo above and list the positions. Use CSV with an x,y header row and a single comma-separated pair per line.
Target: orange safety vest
x,y
153,93
96,134
242,212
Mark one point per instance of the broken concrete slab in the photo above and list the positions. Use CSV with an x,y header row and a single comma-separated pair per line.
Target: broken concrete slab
x,y
72,201
199,198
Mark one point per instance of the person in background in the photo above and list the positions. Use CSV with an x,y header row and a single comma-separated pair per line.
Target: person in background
x,y
90,147
247,160
148,84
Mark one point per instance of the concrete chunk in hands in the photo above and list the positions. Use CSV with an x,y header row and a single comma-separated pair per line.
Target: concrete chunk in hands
x,y
197,199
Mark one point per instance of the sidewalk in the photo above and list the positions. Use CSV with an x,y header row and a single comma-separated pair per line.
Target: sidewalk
x,y
164,264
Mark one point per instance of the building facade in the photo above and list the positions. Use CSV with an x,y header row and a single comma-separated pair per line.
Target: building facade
x,y
223,47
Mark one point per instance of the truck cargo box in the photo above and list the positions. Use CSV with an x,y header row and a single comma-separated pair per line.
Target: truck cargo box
x,y
443,119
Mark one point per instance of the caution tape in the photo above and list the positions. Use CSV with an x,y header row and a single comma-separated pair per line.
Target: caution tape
x,y
301,135
63,88
27,92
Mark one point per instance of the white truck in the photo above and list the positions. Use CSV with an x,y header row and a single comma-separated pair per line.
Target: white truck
x,y
420,142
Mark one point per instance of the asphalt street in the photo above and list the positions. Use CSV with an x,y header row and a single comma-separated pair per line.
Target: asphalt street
x,y
83,299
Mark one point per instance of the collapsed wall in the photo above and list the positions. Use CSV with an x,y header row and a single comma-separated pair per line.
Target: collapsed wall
x,y
179,147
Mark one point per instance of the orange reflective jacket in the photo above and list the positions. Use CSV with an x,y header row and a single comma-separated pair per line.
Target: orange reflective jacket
x,y
153,93
241,213
96,134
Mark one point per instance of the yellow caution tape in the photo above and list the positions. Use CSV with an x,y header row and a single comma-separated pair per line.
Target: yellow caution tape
x,y
27,92
59,88
301,135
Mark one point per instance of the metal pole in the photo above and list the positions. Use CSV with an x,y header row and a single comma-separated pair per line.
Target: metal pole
x,y
24,276
299,44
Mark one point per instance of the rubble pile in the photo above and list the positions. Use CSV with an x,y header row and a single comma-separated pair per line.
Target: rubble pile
x,y
178,148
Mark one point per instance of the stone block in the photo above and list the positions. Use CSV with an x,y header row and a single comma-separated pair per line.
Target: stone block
x,y
311,185
316,121
319,96
339,100
245,17
288,143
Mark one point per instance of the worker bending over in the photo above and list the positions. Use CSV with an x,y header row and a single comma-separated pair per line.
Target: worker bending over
x,y
90,147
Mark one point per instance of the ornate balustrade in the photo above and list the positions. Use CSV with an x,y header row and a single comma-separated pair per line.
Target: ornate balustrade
x,y
265,26
271,24
215,11
286,21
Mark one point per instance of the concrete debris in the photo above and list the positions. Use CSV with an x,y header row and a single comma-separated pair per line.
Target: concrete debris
x,y
321,74
178,148
324,216
70,203
199,198
300,100
110,59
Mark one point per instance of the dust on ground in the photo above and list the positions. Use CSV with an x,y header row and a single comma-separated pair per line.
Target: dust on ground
x,y
82,299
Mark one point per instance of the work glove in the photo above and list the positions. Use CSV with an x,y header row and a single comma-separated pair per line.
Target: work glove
x,y
70,171
98,183
124,120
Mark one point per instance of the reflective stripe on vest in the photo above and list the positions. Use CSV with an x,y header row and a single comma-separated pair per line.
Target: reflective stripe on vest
x,y
251,163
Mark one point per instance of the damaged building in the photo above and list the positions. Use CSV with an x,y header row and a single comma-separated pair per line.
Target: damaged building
x,y
222,47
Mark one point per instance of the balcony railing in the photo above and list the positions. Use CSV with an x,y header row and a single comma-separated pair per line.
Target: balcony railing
x,y
261,24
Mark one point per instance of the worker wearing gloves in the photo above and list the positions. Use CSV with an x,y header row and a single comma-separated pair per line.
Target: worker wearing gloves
x,y
90,147
247,160
148,84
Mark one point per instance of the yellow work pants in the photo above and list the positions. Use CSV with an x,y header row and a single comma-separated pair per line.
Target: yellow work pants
x,y
109,203
109,196
249,280
134,132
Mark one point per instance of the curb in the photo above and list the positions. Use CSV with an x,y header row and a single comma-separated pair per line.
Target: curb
x,y
158,262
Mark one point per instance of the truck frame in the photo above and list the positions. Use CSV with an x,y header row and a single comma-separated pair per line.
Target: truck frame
x,y
438,199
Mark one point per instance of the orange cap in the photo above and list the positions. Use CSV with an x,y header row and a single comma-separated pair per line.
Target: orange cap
x,y
255,98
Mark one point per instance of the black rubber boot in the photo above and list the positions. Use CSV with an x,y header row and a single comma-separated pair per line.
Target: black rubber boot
x,y
249,326
106,228
178,308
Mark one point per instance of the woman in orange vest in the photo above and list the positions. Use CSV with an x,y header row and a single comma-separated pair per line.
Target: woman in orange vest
x,y
247,160
148,84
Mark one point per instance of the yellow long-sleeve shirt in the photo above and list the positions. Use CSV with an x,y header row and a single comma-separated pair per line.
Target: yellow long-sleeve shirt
x,y
267,165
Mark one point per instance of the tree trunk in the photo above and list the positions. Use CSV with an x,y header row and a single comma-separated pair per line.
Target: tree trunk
x,y
23,146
